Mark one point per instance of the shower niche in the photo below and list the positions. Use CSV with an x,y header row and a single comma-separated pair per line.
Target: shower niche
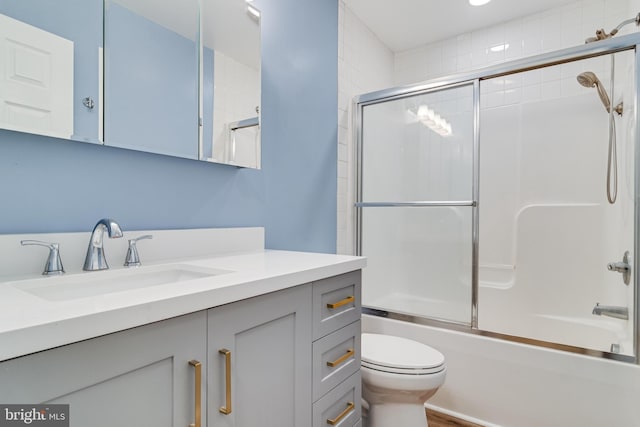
x,y
502,202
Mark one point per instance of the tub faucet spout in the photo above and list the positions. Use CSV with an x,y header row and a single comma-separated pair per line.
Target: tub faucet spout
x,y
95,259
611,311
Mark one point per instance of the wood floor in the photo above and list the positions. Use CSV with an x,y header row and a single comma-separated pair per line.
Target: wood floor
x,y
438,419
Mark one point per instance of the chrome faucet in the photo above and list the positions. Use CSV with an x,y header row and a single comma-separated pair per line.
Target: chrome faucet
x,y
95,259
611,311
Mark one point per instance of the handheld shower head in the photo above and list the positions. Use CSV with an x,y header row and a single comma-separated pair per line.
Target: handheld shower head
x,y
589,79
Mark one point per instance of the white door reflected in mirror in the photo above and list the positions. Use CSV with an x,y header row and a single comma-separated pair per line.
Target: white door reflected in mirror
x,y
36,80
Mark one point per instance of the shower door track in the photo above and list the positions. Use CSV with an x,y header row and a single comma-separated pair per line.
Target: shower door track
x,y
473,78
414,204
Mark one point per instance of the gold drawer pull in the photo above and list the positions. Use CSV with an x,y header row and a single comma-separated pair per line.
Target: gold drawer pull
x,y
343,414
341,359
342,302
198,395
227,359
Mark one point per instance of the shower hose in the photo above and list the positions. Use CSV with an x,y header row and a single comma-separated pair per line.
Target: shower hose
x,y
612,157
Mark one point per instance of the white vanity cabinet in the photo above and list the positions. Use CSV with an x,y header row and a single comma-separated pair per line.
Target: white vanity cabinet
x,y
259,361
141,376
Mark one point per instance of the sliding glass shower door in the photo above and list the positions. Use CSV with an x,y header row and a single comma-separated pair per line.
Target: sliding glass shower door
x,y
557,182
416,206
506,201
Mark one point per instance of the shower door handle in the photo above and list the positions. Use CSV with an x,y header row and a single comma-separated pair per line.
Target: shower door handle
x,y
622,267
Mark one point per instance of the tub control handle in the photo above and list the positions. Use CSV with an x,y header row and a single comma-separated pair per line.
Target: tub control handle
x,y
623,267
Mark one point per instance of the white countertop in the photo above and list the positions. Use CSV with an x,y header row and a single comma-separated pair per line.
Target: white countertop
x,y
29,323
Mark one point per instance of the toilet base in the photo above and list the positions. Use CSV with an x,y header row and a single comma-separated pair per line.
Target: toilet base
x,y
397,414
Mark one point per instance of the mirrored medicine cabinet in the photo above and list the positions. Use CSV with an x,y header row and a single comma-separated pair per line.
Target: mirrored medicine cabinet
x,y
173,77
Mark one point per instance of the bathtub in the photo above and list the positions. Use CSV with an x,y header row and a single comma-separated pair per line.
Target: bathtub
x,y
601,334
598,333
592,333
434,308
508,384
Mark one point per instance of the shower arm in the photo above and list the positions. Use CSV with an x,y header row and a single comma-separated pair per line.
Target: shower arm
x,y
601,34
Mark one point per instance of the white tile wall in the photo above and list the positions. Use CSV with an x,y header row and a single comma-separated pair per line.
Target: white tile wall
x,y
236,96
550,30
365,64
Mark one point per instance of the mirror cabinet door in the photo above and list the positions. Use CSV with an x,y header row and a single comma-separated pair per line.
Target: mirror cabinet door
x,y
157,75
231,83
50,68
151,76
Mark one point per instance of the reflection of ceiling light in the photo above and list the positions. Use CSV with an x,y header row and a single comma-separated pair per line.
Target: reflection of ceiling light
x,y
478,2
253,11
432,120
499,47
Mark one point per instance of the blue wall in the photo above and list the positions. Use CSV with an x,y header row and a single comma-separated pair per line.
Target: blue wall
x,y
299,122
49,185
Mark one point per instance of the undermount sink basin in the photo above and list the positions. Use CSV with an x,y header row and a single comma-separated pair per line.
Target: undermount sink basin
x,y
64,288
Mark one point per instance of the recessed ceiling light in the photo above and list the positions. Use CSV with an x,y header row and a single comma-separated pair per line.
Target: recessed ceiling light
x,y
478,2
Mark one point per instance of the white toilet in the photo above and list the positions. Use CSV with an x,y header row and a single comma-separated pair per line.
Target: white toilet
x,y
398,376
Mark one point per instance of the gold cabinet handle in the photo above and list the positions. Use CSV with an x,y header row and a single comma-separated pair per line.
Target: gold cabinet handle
x,y
336,420
342,302
341,359
227,360
198,395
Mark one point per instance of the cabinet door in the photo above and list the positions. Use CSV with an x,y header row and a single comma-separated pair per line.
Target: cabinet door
x,y
138,377
269,341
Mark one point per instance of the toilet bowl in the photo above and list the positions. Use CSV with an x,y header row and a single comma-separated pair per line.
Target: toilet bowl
x,y
398,376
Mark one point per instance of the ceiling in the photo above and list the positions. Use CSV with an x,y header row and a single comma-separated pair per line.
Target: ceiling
x,y
228,27
405,24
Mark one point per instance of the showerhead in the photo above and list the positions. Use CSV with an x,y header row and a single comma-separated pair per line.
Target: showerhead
x,y
601,34
589,79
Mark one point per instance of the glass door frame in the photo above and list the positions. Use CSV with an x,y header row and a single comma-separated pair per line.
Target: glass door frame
x,y
591,50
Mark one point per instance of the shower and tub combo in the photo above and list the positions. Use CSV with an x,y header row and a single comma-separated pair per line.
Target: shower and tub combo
x,y
500,227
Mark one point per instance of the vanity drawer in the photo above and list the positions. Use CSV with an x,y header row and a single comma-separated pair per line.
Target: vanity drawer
x,y
335,358
336,303
341,406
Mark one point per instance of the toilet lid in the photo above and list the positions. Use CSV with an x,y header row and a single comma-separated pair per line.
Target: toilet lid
x,y
398,353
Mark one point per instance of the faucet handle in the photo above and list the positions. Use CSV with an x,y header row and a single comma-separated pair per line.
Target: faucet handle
x,y
54,263
623,267
133,259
